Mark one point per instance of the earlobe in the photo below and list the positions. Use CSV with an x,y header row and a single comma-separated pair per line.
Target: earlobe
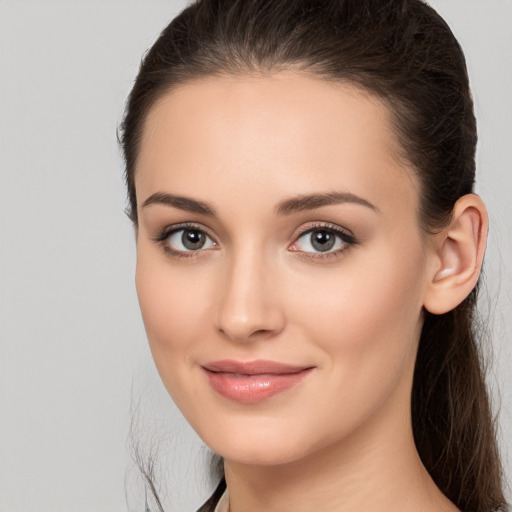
x,y
457,256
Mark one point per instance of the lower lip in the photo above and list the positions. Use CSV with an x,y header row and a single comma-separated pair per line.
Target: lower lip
x,y
250,389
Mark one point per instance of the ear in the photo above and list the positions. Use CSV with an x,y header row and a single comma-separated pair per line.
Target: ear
x,y
456,256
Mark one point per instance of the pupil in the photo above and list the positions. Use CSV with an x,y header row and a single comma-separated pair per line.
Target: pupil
x,y
322,240
192,239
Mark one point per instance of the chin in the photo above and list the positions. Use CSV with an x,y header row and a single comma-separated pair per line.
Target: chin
x,y
261,444
267,454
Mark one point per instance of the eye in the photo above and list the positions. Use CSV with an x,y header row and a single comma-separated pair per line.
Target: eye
x,y
190,240
320,240
180,240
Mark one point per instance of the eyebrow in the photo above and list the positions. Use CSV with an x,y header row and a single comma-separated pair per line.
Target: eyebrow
x,y
295,204
312,201
183,203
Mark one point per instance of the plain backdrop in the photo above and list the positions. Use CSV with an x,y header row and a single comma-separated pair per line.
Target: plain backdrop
x,y
75,370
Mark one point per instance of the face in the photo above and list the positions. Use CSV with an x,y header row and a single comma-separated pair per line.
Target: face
x,y
280,265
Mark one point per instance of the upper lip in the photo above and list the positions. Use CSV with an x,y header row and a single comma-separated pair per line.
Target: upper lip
x,y
253,367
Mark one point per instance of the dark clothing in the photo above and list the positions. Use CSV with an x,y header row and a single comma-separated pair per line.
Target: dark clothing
x,y
212,501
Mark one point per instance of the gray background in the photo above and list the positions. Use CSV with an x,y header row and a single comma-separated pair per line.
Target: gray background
x,y
72,345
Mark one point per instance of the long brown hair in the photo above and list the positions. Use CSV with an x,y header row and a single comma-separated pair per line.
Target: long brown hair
x,y
403,52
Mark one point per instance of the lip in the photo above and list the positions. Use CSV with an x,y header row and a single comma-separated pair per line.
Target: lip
x,y
253,381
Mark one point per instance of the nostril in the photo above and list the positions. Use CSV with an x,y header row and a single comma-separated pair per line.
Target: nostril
x,y
246,334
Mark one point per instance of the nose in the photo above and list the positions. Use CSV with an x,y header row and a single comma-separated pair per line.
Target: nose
x,y
249,308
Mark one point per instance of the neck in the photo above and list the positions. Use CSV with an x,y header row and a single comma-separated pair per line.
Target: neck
x,y
376,468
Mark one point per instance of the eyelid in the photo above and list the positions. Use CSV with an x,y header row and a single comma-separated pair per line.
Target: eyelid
x,y
165,233
347,237
310,227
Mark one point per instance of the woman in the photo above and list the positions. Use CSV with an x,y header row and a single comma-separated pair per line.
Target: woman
x,y
300,175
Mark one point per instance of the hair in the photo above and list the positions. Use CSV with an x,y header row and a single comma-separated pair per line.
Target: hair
x,y
404,53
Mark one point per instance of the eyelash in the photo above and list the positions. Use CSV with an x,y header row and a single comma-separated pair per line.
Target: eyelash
x,y
163,236
346,237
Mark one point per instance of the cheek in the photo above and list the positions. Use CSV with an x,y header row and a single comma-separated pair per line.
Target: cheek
x,y
366,322
367,315
172,305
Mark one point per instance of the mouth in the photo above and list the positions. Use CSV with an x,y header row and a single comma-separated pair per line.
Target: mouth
x,y
253,381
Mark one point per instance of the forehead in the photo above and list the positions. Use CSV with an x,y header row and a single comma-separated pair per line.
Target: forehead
x,y
287,133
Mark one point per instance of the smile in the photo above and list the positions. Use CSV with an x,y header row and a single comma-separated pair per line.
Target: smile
x,y
254,381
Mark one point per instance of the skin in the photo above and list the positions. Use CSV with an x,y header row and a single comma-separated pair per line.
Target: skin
x,y
341,439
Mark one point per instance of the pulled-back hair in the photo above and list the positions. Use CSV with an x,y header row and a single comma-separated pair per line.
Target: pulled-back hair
x,y
404,53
